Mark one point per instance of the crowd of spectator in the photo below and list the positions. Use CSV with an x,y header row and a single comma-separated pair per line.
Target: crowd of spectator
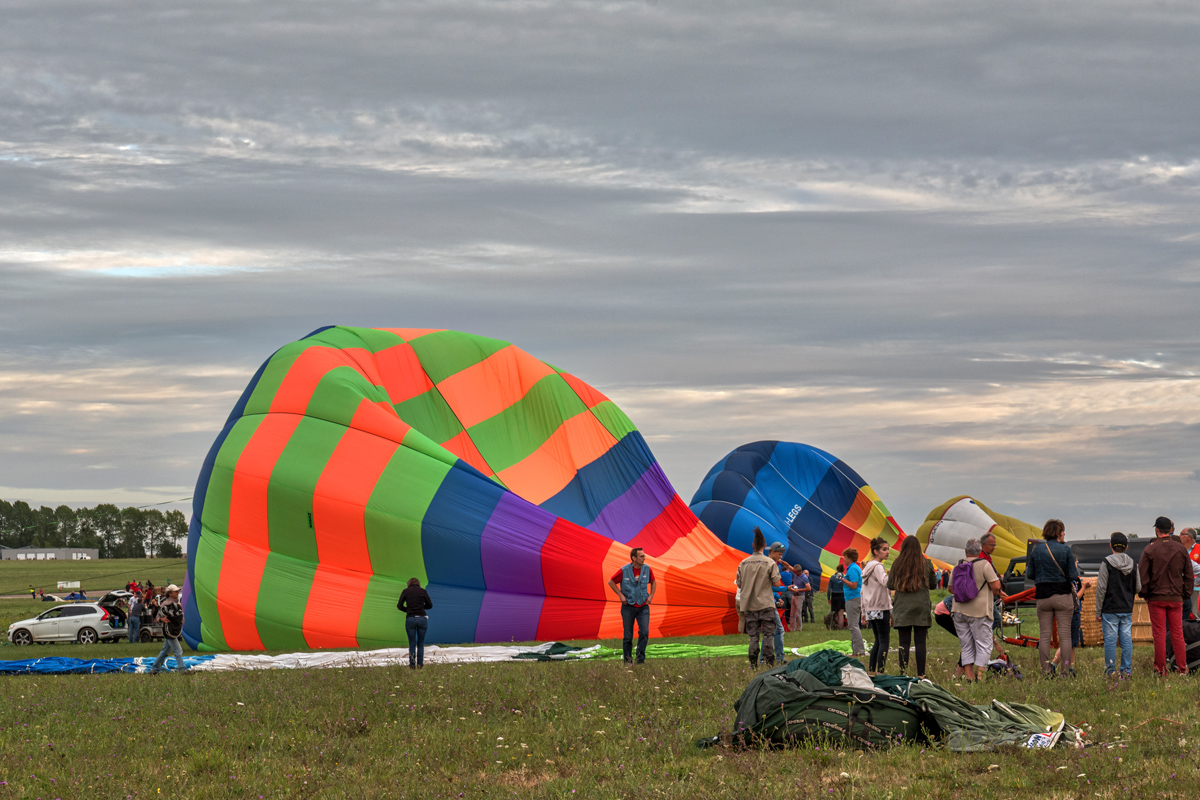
x,y
868,595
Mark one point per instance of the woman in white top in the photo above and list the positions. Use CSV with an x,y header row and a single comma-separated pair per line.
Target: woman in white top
x,y
877,604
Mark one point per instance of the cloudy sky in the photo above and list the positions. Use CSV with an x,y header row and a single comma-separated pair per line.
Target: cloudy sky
x,y
957,244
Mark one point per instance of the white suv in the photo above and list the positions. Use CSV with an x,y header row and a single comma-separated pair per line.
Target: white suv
x,y
85,623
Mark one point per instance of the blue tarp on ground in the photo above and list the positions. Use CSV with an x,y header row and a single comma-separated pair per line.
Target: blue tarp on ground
x,y
85,666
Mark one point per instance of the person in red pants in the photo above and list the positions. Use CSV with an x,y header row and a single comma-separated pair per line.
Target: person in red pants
x,y
1166,572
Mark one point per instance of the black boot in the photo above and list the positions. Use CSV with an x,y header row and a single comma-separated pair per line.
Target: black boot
x,y
753,662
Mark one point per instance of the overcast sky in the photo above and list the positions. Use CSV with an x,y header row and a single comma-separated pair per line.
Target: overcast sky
x,y
956,244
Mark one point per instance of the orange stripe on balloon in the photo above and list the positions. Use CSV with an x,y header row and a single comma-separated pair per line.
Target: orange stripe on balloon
x,y
590,396
542,474
483,390
296,390
252,475
241,574
379,419
334,605
858,512
245,555
401,372
340,499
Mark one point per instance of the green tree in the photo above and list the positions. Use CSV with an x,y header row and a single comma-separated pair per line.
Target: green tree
x,y
106,525
132,540
177,531
67,521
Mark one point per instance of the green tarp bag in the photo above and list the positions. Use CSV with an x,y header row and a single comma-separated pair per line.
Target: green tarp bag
x,y
785,708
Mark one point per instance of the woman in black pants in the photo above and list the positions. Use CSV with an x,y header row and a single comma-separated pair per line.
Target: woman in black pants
x,y
911,578
877,603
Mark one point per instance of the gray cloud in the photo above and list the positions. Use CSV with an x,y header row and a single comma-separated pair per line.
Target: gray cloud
x,y
952,244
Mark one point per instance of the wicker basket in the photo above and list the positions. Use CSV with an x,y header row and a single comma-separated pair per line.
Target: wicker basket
x,y
1093,631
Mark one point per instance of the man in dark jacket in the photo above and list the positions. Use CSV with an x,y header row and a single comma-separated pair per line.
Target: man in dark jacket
x,y
1166,572
170,615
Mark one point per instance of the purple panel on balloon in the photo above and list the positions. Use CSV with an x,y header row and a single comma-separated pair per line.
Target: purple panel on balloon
x,y
506,617
511,550
624,518
511,546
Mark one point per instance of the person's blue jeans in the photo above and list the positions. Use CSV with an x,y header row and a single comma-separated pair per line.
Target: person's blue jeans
x,y
1118,628
135,625
779,659
416,627
169,646
628,615
1076,627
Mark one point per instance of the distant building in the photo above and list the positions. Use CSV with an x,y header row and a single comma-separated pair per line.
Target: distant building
x,y
48,553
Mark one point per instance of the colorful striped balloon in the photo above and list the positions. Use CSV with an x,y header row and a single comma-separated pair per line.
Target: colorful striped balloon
x,y
798,495
358,458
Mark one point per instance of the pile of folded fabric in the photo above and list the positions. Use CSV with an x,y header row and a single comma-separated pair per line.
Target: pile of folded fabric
x,y
828,697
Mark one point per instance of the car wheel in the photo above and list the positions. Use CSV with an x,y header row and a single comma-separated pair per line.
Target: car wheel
x,y
86,636
145,637
22,637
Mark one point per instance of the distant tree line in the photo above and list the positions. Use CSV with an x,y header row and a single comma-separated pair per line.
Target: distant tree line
x,y
116,532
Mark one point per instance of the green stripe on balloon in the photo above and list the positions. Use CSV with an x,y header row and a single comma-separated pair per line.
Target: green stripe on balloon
x,y
380,623
293,481
282,598
446,353
613,419
512,435
375,340
429,413
209,552
220,484
273,377
339,393
395,511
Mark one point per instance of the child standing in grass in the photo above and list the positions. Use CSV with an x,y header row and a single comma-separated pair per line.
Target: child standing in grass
x,y
1117,586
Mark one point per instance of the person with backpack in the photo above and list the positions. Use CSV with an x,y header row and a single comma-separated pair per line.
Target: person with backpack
x,y
1116,587
1051,567
972,585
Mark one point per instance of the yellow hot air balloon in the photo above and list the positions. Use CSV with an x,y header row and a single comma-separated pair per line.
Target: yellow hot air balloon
x,y
945,532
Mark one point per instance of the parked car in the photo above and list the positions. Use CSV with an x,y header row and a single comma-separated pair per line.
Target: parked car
x,y
86,623
1013,579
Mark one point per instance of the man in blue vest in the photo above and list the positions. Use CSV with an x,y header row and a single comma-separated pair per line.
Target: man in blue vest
x,y
634,584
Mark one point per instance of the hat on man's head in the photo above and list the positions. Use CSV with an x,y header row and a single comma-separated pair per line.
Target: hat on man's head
x,y
778,548
171,588
1163,524
1119,539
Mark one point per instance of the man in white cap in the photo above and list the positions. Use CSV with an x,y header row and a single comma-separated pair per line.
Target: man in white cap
x,y
170,614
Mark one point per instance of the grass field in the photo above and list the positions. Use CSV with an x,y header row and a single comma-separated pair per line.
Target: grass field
x,y
595,730
98,575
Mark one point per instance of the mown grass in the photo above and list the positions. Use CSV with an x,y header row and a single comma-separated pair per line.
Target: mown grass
x,y
549,730
94,576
